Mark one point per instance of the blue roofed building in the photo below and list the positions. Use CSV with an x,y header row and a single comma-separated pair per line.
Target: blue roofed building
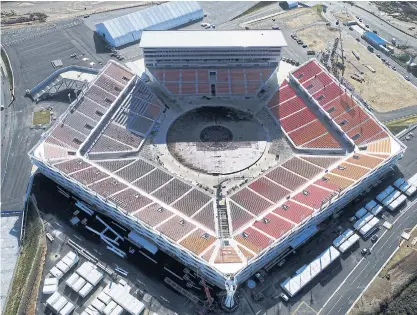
x,y
373,39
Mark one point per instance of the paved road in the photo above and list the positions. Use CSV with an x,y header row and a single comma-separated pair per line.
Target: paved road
x,y
352,286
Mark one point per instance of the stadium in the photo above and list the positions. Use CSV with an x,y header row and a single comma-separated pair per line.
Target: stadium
x,y
210,158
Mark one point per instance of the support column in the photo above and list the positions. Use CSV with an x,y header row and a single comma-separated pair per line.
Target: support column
x,y
229,302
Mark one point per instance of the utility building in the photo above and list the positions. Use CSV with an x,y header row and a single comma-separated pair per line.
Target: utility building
x,y
127,29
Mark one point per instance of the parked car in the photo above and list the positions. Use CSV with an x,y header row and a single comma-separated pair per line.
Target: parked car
x,y
375,32
358,39
394,68
367,25
350,28
276,27
284,297
407,78
213,26
366,251
260,277
378,55
305,46
73,55
50,237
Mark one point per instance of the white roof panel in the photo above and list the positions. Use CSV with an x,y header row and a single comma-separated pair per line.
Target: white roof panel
x,y
189,39
155,15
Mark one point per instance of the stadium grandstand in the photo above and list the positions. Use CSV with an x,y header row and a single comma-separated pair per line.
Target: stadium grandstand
x,y
179,177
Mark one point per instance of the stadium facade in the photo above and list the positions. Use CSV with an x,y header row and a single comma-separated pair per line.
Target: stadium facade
x,y
318,148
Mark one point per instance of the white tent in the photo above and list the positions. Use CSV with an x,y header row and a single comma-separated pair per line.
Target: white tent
x,y
128,28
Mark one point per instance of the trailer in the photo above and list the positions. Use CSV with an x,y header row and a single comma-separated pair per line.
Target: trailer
x,y
367,229
405,187
342,238
362,221
374,207
360,213
308,272
349,243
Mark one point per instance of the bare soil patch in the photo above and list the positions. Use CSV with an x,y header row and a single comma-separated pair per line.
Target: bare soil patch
x,y
305,19
343,16
385,90
318,37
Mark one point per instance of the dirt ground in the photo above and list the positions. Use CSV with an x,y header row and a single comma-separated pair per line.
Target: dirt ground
x,y
318,37
401,267
385,90
63,10
310,16
343,17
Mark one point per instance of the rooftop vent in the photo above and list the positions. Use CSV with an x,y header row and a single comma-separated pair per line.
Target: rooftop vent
x,y
266,220
97,172
77,141
182,222
125,79
107,100
325,179
344,122
356,136
117,89
137,196
205,236
356,157
320,97
340,167
331,110
98,113
285,207
309,87
160,209
226,243
305,193
245,235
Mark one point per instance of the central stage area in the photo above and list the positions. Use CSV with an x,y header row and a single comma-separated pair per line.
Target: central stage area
x,y
216,140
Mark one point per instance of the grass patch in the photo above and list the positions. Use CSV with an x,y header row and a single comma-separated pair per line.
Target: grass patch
x,y
399,125
31,242
318,8
8,67
42,117
396,129
254,8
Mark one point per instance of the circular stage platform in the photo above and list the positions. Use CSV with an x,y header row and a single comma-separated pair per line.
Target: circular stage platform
x,y
216,140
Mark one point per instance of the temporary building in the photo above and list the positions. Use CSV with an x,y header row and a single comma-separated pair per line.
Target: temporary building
x,y
109,308
85,290
128,28
67,309
308,272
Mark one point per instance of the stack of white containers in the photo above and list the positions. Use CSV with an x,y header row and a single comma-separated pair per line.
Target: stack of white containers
x,y
50,286
84,279
64,265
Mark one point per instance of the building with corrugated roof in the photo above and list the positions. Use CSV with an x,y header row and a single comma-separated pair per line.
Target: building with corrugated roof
x,y
128,28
